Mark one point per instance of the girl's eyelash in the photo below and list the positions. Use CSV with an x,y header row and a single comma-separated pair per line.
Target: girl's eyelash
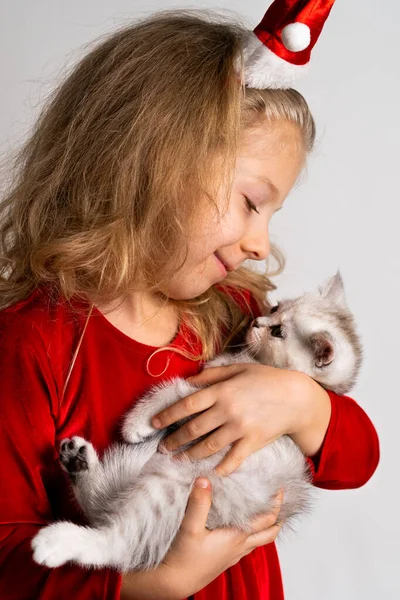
x,y
251,205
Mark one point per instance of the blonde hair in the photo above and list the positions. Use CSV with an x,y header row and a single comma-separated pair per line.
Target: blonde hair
x,y
121,155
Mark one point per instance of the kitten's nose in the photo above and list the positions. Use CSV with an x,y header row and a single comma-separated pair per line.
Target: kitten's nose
x,y
256,323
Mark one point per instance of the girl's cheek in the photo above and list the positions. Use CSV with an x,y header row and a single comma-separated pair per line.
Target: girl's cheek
x,y
233,229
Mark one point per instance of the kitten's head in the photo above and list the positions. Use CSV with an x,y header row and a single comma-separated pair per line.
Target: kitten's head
x,y
314,333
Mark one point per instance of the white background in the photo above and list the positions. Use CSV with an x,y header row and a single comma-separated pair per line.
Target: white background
x,y
345,214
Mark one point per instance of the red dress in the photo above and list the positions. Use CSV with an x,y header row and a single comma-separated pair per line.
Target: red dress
x,y
37,340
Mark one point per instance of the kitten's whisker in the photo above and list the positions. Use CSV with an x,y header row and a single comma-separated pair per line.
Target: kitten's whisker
x,y
236,345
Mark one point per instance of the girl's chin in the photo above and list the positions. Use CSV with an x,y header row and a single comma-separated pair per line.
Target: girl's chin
x,y
188,292
187,287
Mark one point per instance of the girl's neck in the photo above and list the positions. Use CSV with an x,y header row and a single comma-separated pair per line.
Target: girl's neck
x,y
143,318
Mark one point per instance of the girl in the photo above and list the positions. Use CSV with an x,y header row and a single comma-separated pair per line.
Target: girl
x,y
151,175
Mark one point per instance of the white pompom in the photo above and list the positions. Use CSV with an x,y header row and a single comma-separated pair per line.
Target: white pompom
x,y
265,69
296,37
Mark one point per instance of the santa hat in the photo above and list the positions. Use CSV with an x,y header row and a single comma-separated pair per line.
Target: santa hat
x,y
278,51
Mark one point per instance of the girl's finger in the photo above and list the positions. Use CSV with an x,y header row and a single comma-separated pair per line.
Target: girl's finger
x,y
193,429
262,522
263,537
240,450
236,455
190,405
217,440
210,375
198,506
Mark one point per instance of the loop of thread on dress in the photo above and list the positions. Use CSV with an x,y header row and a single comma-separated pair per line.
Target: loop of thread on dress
x,y
166,366
76,353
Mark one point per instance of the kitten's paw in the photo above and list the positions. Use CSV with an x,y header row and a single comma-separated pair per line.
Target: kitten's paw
x,y
137,428
221,360
77,455
51,546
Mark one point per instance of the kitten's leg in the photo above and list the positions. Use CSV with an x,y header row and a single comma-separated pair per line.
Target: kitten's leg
x,y
225,359
137,425
63,542
138,535
98,484
79,459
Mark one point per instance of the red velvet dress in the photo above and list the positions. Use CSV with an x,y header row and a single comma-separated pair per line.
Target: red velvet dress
x,y
37,341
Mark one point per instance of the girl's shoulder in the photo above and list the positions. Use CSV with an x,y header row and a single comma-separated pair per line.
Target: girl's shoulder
x,y
40,318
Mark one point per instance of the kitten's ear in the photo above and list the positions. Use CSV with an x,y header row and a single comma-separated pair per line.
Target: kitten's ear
x,y
322,347
333,290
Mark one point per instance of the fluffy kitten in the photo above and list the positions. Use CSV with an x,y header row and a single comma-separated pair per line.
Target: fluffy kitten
x,y
135,497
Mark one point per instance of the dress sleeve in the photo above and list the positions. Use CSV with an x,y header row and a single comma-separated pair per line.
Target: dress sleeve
x,y
349,454
30,476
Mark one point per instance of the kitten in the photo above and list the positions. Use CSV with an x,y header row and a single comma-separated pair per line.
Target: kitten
x,y
135,497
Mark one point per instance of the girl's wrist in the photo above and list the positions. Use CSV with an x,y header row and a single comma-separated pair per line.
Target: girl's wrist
x,y
156,584
298,398
313,415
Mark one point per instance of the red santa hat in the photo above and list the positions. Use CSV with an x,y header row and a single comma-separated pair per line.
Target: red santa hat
x,y
278,51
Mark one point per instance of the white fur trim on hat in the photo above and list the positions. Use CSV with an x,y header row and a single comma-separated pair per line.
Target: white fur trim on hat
x,y
264,69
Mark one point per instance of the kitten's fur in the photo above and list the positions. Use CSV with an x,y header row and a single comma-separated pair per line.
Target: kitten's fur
x,y
135,497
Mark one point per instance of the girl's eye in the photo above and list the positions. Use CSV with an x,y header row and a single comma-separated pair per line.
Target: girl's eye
x,y
250,205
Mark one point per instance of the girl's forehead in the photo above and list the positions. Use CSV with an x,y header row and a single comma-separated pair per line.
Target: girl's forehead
x,y
271,157
269,136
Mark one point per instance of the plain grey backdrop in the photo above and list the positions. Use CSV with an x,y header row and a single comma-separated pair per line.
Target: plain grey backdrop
x,y
344,214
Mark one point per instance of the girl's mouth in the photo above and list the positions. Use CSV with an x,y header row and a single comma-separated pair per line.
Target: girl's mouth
x,y
221,265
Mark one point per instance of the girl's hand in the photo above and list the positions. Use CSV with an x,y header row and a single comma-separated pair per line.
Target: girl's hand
x,y
198,556
248,404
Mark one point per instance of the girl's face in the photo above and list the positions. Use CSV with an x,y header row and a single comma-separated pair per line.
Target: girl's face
x,y
268,164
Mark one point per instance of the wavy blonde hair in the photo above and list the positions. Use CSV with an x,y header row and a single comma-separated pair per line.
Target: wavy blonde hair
x,y
121,156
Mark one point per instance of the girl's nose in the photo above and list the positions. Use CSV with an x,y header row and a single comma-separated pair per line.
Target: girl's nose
x,y
258,248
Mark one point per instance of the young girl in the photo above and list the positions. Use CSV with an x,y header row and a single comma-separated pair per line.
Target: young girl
x,y
151,175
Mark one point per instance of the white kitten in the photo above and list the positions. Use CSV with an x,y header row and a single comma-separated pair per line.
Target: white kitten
x,y
135,497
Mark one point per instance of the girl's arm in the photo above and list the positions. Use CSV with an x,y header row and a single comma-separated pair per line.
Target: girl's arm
x,y
30,478
339,439
349,453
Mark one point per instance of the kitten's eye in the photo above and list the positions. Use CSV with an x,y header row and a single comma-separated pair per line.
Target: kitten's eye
x,y
274,309
250,205
276,331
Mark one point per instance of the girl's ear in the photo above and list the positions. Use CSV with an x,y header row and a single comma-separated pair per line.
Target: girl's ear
x,y
322,346
333,290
